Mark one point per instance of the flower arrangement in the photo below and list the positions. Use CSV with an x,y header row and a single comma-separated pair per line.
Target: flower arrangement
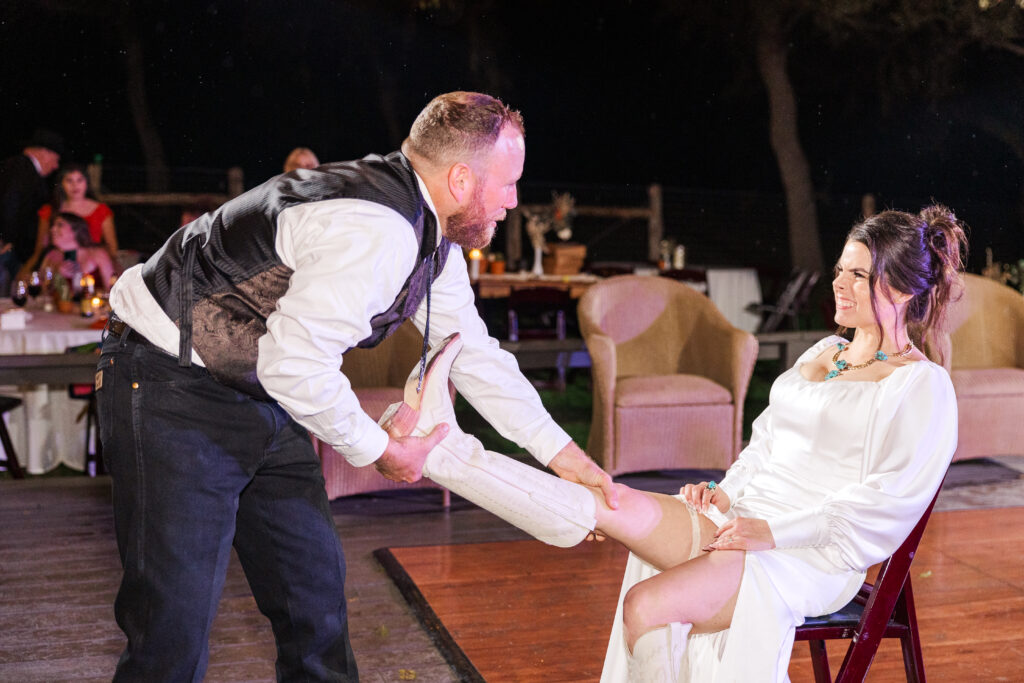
x,y
557,217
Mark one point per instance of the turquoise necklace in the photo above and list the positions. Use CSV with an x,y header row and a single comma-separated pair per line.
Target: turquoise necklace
x,y
843,366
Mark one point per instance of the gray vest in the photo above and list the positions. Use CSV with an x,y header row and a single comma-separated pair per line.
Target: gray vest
x,y
234,277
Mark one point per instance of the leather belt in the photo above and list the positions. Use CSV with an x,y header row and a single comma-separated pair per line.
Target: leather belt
x,y
117,326
120,328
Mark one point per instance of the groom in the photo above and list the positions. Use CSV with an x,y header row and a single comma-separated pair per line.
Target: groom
x,y
224,351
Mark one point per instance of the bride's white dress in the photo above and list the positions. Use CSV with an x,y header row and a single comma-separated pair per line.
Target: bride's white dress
x,y
842,471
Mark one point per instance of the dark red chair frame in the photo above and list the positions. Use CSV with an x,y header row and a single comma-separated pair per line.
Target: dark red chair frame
x,y
884,609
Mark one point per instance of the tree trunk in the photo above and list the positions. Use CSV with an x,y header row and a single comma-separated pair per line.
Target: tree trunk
x,y
149,137
483,63
804,242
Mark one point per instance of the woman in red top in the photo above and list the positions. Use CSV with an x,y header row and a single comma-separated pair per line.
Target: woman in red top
x,y
73,195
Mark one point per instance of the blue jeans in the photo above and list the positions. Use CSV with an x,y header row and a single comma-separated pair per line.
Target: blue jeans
x,y
196,467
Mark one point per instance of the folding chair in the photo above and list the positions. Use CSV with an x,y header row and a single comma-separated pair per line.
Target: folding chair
x,y
884,609
790,302
10,460
86,392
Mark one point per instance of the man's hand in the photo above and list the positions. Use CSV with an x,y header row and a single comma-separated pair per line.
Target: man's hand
x,y
403,459
572,464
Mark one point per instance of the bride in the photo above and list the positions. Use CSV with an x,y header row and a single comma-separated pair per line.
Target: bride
x,y
852,448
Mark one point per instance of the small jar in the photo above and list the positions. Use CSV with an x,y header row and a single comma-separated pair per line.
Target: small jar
x,y
679,257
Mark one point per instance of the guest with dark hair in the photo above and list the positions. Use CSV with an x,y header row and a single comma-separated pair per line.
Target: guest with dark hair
x,y
197,208
852,448
73,254
73,194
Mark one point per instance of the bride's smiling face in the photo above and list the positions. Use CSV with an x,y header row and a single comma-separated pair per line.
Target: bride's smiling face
x,y
852,289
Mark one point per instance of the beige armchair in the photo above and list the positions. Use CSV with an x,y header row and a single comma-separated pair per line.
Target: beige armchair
x,y
986,362
378,377
670,375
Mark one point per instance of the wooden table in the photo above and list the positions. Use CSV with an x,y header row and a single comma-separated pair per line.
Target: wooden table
x,y
547,353
498,286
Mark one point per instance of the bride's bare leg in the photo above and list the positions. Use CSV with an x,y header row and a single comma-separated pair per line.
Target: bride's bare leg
x,y
657,528
701,592
694,587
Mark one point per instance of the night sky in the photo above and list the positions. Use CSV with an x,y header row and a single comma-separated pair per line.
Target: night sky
x,y
612,92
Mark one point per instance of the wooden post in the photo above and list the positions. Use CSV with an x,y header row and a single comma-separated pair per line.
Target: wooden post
x,y
94,172
236,181
513,236
655,223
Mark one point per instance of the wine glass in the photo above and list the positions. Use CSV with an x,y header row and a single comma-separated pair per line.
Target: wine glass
x,y
19,293
35,285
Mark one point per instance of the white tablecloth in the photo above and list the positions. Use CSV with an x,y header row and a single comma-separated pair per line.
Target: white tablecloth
x,y
732,290
45,430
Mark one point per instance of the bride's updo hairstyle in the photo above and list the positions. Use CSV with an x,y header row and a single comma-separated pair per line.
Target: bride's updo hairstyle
x,y
919,255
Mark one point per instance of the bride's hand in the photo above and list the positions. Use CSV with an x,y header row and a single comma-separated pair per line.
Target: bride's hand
x,y
706,493
743,533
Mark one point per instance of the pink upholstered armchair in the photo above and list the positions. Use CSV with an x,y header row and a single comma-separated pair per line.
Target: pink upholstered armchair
x,y
986,362
378,377
670,375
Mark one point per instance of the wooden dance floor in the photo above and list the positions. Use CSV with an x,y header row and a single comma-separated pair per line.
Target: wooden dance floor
x,y
519,611
524,611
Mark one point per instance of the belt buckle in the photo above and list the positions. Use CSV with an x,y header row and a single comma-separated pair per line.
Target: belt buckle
x,y
117,326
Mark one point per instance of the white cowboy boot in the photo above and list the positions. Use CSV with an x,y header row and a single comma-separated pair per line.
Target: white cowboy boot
x,y
658,655
550,509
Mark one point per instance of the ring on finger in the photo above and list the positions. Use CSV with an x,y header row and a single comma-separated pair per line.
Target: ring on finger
x,y
712,486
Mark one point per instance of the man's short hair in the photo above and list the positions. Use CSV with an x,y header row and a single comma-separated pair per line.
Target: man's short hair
x,y
458,126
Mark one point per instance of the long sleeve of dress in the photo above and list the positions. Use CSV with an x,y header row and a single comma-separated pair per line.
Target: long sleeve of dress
x,y
752,458
757,454
909,444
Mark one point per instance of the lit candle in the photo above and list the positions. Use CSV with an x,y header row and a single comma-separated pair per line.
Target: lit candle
x,y
475,255
88,283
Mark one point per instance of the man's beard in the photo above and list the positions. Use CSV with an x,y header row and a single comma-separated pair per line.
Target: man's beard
x,y
469,227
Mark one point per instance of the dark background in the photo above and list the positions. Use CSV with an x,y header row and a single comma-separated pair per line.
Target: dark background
x,y
616,95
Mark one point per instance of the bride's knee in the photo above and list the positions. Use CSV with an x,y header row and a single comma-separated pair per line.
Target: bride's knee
x,y
636,613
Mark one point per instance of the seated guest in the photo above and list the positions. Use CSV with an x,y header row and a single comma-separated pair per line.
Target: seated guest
x,y
72,194
300,157
73,254
197,208
841,465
